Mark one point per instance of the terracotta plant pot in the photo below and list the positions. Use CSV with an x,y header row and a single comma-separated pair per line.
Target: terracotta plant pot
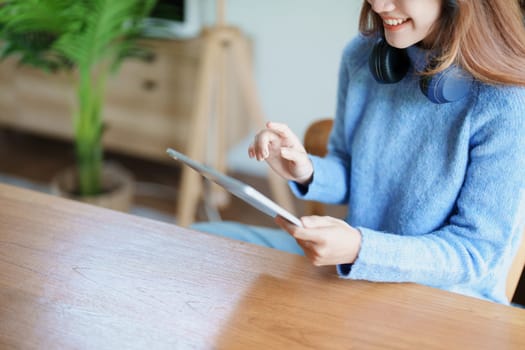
x,y
117,183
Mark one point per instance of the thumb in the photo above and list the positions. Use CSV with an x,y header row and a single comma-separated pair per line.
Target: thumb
x,y
294,155
316,221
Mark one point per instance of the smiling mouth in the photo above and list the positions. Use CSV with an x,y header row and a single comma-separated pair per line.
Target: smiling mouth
x,y
394,23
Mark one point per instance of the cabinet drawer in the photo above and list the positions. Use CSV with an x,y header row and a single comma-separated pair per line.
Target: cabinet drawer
x,y
148,104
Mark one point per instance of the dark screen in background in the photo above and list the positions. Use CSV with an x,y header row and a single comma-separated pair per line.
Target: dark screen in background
x,y
169,9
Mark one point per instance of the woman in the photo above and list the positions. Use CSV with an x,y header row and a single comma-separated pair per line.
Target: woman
x,y
428,150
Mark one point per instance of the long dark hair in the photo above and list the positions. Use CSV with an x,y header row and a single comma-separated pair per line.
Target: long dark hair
x,y
486,38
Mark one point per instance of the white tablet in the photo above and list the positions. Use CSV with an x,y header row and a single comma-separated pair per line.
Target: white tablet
x,y
239,189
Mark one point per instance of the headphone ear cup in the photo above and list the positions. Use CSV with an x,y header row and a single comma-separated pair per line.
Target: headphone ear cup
x,y
450,85
388,64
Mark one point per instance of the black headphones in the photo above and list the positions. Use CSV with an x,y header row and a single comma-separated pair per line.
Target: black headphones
x,y
389,65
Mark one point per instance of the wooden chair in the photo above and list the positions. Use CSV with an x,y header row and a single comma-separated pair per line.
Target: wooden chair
x,y
516,269
316,141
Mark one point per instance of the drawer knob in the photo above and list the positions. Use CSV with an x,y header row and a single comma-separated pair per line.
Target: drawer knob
x,y
149,84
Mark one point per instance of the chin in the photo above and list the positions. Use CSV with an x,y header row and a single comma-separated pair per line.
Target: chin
x,y
402,39
400,44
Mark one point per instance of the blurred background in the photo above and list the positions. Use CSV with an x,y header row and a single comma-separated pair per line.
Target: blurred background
x,y
150,104
297,46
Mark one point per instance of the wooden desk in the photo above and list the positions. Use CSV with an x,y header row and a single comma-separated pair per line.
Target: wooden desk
x,y
83,277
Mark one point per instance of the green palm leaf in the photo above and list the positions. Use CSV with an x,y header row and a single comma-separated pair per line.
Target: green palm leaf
x,y
93,36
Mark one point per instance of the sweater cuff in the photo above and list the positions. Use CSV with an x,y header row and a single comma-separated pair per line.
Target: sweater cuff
x,y
343,270
371,242
298,188
314,189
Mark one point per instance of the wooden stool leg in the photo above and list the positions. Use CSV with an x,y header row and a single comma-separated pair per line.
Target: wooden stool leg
x,y
219,197
191,183
220,45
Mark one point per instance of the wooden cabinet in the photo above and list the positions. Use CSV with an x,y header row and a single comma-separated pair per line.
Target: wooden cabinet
x,y
148,104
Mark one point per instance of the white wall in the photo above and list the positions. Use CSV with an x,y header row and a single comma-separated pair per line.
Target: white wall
x,y
297,48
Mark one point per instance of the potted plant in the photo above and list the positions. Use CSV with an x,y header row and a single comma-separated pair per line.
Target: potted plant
x,y
90,38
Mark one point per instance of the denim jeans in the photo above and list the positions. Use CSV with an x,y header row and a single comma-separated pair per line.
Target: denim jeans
x,y
264,236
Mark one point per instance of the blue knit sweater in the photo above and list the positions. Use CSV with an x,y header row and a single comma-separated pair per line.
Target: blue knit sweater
x,y
437,191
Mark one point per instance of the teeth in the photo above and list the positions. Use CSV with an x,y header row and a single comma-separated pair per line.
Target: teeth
x,y
394,22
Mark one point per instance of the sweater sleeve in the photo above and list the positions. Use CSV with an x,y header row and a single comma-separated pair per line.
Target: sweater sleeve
x,y
487,220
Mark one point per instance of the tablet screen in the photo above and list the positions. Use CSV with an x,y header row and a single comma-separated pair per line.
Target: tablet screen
x,y
239,189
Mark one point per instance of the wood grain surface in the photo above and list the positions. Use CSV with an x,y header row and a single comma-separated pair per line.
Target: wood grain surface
x,y
74,276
